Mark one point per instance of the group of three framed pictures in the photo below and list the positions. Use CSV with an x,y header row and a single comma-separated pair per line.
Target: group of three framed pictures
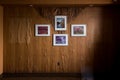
x,y
60,25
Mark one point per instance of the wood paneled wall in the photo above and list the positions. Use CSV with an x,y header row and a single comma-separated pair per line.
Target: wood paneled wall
x,y
63,2
1,39
23,52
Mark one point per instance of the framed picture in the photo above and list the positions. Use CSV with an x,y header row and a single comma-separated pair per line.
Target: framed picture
x,y
60,40
60,22
78,30
42,30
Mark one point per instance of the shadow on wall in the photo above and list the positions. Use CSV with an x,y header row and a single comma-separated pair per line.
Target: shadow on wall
x,y
106,49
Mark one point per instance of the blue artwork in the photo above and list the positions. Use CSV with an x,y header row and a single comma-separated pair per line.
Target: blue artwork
x,y
60,23
60,39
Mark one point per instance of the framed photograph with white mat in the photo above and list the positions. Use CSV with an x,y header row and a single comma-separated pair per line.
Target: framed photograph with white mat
x,y
78,30
60,39
60,23
42,30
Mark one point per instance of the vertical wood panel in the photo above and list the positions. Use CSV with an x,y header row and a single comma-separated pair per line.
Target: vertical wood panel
x,y
23,52
1,39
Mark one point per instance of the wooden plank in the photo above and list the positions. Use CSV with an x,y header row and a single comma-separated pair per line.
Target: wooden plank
x,y
1,39
56,2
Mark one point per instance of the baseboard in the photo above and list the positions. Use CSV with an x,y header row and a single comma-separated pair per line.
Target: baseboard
x,y
96,76
41,75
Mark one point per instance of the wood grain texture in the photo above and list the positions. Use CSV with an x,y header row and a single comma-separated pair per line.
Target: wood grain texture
x,y
56,2
25,53
1,39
